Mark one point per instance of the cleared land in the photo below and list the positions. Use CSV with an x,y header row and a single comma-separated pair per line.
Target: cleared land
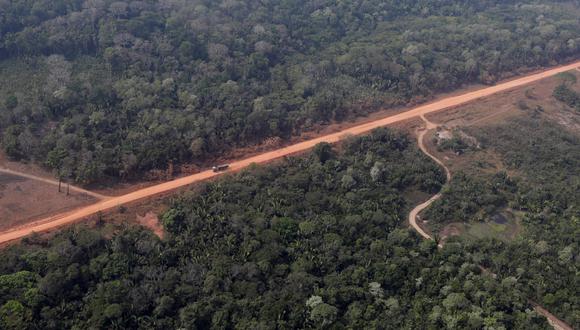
x,y
23,199
534,99
55,183
57,221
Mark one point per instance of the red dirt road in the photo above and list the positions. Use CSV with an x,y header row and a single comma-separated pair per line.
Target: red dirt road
x,y
556,323
71,217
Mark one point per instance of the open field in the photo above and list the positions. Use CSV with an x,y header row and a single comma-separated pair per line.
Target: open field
x,y
536,97
511,103
23,199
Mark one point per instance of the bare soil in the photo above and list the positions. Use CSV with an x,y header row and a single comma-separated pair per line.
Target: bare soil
x,y
23,199
151,221
452,229
536,96
502,106
24,167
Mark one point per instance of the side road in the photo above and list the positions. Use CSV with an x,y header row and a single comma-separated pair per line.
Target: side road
x,y
415,212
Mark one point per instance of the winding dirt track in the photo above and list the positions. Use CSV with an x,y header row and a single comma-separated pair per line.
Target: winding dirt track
x,y
556,323
415,212
107,204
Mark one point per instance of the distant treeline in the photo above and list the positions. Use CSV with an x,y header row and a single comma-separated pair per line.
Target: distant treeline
x,y
112,88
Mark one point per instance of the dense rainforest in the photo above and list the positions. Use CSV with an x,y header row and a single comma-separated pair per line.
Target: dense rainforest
x,y
312,242
99,88
102,88
545,189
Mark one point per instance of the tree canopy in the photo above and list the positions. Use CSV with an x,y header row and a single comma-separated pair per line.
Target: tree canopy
x,y
128,86
291,245
545,191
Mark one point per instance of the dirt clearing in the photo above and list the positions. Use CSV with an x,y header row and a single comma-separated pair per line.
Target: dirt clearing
x,y
535,97
23,199
534,100
151,221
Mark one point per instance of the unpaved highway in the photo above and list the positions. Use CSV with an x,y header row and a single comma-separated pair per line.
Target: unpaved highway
x,y
60,220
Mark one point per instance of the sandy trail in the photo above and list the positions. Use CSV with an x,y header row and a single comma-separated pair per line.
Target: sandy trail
x,y
415,212
52,182
60,220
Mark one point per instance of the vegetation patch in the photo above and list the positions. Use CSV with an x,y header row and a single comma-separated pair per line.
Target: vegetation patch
x,y
564,94
490,229
470,199
544,195
455,140
314,242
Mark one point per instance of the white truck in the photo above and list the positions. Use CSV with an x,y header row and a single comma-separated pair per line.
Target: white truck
x,y
220,168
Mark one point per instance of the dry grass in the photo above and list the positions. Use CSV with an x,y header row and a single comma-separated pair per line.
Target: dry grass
x,y
23,200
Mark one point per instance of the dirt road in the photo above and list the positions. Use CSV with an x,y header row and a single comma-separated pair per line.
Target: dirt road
x,y
556,323
415,212
60,220
52,182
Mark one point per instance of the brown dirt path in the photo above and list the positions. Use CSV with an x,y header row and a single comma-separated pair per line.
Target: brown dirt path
x,y
556,323
415,212
61,220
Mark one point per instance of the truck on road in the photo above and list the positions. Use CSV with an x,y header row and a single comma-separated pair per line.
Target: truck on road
x,y
220,168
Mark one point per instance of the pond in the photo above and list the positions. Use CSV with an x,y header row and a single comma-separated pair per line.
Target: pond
x,y
499,218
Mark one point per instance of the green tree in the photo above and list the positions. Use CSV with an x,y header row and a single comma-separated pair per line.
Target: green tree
x,y
13,315
11,102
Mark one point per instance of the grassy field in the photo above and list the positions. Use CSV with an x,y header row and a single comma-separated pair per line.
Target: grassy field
x,y
506,230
